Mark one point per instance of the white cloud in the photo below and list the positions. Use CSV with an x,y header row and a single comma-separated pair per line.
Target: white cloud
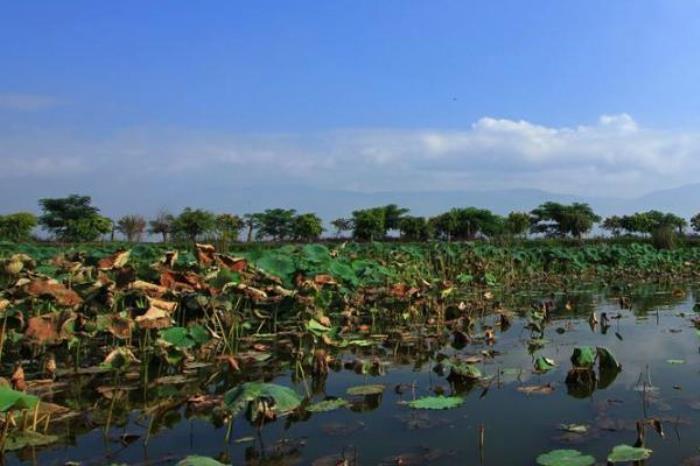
x,y
614,156
27,102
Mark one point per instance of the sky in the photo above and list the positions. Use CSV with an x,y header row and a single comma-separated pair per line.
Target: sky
x,y
165,99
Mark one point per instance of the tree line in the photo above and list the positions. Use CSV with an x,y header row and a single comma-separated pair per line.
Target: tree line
x,y
76,219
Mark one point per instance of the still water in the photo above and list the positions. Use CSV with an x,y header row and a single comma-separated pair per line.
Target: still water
x,y
517,427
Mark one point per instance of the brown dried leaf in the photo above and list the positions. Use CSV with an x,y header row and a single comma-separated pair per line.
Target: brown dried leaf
x,y
151,289
43,329
115,261
121,327
62,295
17,380
205,254
234,264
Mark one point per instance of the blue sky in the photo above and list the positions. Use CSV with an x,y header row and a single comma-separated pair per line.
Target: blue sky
x,y
566,96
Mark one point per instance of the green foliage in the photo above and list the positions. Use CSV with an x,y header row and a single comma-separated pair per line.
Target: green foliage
x,y
436,402
565,458
193,223
12,400
306,227
73,218
467,224
277,224
627,454
517,223
558,220
196,460
22,439
369,224
228,227
327,405
695,222
238,398
651,221
664,238
613,224
415,228
364,390
583,356
184,338
18,226
543,364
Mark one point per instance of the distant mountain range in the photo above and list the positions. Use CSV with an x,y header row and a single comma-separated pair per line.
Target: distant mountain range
x,y
330,204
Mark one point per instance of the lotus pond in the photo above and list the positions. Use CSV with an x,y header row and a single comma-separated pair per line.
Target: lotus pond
x,y
115,359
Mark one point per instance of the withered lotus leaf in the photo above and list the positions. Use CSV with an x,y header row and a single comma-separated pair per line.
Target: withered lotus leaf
x,y
205,254
62,295
115,261
234,264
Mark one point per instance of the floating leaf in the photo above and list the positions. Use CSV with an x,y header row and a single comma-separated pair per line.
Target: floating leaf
x,y
327,405
28,438
195,460
543,364
11,400
464,370
606,360
286,399
565,458
360,390
574,428
583,356
536,389
626,454
436,402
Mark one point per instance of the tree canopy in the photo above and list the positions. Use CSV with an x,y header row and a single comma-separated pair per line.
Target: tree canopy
x,y
18,226
73,218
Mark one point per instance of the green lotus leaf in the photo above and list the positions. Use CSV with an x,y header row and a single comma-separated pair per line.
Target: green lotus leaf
x,y
583,356
327,405
565,458
436,402
238,398
627,453
195,460
366,390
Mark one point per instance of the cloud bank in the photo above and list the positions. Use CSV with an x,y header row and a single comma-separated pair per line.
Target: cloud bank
x,y
615,156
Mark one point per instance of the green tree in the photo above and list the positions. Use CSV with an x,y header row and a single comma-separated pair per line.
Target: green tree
x,y
18,226
132,227
277,224
341,225
251,222
307,227
651,221
162,225
393,215
193,223
695,222
369,224
517,223
415,228
467,224
228,227
73,218
613,224
445,225
554,219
